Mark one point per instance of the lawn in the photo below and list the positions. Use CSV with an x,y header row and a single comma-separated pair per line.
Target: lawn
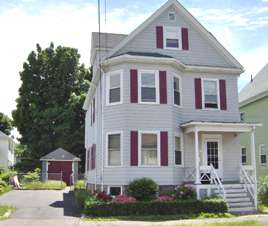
x,y
48,185
5,190
5,211
245,223
161,218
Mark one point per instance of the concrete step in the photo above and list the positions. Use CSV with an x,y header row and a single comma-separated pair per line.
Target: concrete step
x,y
236,195
242,209
240,204
233,190
239,199
232,186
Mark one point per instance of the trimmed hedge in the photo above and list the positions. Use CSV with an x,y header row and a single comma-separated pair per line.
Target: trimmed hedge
x,y
155,208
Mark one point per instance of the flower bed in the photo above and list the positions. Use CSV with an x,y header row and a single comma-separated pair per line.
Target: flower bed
x,y
154,208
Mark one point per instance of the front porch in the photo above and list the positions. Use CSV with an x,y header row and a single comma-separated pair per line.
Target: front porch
x,y
216,163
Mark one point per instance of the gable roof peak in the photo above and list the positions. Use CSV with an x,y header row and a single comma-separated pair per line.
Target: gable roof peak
x,y
194,22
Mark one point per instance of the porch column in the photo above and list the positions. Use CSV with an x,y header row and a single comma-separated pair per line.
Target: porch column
x,y
253,162
197,168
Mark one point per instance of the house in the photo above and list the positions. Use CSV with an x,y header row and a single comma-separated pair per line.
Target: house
x,y
253,100
7,151
60,165
164,104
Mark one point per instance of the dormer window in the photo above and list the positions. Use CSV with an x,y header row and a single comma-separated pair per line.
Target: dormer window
x,y
171,16
172,38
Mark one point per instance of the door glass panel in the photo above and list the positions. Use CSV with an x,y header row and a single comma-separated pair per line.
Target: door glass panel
x,y
213,154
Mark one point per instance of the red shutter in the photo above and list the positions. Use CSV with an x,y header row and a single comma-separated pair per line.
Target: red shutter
x,y
134,148
88,159
94,110
163,87
93,156
133,86
91,114
164,148
198,93
185,38
223,95
159,37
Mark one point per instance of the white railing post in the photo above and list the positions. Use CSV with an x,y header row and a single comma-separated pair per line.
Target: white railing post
x,y
253,163
197,169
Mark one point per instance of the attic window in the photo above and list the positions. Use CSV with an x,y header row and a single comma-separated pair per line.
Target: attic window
x,y
171,16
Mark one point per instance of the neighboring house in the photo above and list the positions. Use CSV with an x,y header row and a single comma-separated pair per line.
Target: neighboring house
x,y
253,101
164,105
7,151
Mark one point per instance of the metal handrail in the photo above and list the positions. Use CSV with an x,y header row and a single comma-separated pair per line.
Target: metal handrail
x,y
215,178
249,184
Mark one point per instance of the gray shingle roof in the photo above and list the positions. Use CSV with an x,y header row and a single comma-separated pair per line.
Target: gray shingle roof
x,y
107,40
61,155
256,89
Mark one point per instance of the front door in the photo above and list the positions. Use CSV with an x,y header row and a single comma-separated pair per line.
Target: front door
x,y
212,149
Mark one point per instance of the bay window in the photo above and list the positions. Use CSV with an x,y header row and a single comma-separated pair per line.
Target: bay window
x,y
149,149
114,149
114,88
148,82
177,92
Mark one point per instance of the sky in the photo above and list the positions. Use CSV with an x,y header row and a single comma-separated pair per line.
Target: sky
x,y
240,25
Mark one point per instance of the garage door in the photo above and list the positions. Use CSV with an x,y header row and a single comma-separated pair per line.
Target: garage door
x,y
57,167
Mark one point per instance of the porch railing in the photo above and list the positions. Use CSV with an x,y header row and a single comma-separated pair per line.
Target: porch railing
x,y
249,183
216,180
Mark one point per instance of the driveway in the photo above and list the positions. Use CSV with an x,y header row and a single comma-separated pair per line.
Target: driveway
x,y
41,206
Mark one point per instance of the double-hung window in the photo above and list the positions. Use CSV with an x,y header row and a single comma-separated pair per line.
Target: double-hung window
x,y
211,94
149,148
114,149
244,156
148,81
172,37
177,92
263,154
114,88
178,152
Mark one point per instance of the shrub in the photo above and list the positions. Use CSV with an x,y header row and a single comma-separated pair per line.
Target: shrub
x,y
165,198
103,197
32,176
184,192
124,199
80,185
154,208
143,189
80,197
5,176
263,190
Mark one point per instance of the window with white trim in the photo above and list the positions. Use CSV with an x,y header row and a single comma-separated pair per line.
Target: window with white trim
x,y
149,149
114,149
242,116
114,88
177,92
172,37
243,156
211,94
263,154
178,151
171,16
148,87
114,190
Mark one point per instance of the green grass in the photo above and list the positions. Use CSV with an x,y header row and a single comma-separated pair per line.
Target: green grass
x,y
263,208
5,190
245,223
5,211
161,218
48,185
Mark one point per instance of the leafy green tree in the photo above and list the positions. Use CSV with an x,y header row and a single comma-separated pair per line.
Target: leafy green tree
x,y
5,124
49,108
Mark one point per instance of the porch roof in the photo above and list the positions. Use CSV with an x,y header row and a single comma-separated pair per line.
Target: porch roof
x,y
210,126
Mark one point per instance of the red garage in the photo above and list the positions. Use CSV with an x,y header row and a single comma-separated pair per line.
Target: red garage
x,y
60,165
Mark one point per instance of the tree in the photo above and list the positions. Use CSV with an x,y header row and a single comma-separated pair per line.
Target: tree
x,y
5,124
49,108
